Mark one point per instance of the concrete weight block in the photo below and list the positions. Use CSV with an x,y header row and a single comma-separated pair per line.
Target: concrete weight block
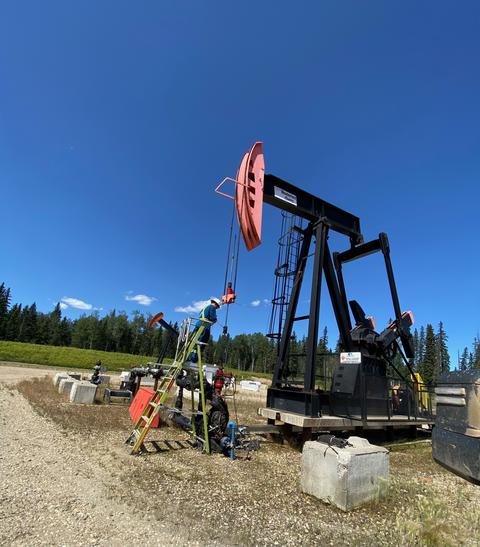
x,y
345,477
83,392
104,379
59,376
75,375
100,393
65,385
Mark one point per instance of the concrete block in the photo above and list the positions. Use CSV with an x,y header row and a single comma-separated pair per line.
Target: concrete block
x,y
75,375
83,392
59,376
100,393
345,477
250,385
65,385
104,379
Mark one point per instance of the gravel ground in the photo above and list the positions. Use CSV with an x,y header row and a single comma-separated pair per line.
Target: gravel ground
x,y
15,372
52,491
67,479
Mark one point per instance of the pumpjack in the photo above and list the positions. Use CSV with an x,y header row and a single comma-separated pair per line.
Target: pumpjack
x,y
368,385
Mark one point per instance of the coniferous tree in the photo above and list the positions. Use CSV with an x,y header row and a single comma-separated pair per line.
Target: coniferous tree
x,y
4,307
443,357
55,320
429,365
464,359
476,353
252,352
14,320
323,343
221,349
65,334
28,324
81,332
421,348
43,329
208,352
415,349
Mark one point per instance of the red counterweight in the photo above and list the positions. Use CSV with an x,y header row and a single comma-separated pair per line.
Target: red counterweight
x,y
229,296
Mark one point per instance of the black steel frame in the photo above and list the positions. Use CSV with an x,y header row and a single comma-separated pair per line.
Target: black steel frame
x,y
322,217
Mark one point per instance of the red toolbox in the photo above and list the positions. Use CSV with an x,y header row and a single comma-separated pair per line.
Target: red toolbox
x,y
140,401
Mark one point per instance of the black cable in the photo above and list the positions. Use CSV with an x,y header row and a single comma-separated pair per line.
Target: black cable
x,y
228,252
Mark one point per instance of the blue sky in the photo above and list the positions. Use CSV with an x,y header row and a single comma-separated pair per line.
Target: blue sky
x,y
117,120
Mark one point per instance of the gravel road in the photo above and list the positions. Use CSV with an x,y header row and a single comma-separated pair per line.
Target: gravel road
x,y
52,492
11,373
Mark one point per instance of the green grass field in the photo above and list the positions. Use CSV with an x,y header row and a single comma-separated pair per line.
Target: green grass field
x,y
67,357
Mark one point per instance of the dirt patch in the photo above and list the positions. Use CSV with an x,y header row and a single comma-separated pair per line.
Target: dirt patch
x,y
210,500
44,397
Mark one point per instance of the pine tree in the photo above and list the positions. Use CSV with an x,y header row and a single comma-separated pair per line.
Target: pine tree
x,y
65,333
429,365
4,306
14,320
209,352
28,325
443,357
421,348
476,352
464,359
323,343
43,329
55,320
221,349
415,348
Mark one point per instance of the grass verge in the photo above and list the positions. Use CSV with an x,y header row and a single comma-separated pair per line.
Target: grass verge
x,y
68,357
71,358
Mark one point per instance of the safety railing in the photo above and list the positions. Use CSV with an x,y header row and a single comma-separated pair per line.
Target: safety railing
x,y
382,398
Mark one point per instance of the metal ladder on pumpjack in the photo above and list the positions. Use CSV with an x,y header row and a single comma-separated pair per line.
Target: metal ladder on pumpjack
x,y
187,341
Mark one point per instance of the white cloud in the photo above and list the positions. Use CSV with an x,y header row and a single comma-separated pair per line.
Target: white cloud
x,y
193,307
142,299
267,301
63,306
75,303
255,303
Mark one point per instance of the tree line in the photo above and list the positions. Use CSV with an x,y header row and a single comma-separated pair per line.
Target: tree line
x,y
112,332
118,332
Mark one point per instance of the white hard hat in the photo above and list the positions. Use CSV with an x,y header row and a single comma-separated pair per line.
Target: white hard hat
x,y
216,300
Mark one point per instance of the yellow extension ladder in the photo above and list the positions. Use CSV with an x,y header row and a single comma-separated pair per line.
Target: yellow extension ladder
x,y
187,341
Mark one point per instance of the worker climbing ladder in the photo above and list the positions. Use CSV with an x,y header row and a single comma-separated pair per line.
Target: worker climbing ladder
x,y
187,342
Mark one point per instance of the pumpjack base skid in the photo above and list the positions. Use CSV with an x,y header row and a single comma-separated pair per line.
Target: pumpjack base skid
x,y
337,423
294,400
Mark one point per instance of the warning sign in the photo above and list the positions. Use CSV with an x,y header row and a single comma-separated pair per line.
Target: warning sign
x,y
350,358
